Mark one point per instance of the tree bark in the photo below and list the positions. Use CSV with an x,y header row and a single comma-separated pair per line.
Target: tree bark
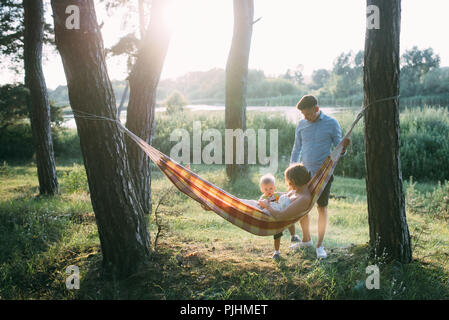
x,y
125,241
143,83
237,75
386,206
38,99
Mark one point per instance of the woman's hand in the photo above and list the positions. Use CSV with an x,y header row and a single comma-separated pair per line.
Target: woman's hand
x,y
264,204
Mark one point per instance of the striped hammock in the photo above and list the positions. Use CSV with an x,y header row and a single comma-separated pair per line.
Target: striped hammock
x,y
229,207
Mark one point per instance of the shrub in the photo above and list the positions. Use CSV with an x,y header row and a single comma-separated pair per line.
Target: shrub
x,y
165,125
16,142
175,102
424,145
76,180
66,143
434,204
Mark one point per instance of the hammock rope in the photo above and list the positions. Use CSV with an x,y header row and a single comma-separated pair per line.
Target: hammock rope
x,y
229,207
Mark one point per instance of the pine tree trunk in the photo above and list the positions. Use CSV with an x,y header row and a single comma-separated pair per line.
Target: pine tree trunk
x,y
386,208
38,99
237,76
143,83
125,241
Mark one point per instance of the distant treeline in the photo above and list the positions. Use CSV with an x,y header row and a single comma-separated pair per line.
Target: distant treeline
x,y
423,82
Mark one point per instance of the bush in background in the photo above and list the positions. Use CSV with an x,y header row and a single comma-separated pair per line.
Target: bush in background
x,y
175,102
75,180
423,133
424,145
166,124
16,142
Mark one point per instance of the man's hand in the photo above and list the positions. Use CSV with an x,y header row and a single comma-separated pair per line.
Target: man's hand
x,y
345,142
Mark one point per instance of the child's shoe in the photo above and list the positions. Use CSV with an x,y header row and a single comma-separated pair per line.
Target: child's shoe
x,y
276,255
295,238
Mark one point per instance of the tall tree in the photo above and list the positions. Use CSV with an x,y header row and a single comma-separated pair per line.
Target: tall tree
x,y
38,99
237,76
125,241
143,82
12,28
386,208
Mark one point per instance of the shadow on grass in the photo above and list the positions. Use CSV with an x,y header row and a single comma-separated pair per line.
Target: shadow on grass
x,y
181,272
186,275
27,227
34,236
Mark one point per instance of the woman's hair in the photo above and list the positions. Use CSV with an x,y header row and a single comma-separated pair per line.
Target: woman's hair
x,y
297,174
267,179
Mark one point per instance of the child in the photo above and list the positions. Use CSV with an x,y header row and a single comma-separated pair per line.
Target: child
x,y
277,201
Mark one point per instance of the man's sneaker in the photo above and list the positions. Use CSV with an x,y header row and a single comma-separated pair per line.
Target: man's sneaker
x,y
295,238
302,244
276,255
321,253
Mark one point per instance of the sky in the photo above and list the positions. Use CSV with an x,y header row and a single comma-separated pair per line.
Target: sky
x,y
311,33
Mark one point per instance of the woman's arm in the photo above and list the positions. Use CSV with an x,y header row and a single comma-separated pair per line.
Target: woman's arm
x,y
300,204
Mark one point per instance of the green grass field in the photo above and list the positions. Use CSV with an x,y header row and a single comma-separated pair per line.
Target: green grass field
x,y
201,256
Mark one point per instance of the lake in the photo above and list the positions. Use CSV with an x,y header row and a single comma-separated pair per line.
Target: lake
x,y
291,113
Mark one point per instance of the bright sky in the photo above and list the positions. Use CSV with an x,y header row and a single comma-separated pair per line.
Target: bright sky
x,y
291,32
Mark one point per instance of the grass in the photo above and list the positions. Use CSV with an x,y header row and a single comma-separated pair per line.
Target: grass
x,y
201,256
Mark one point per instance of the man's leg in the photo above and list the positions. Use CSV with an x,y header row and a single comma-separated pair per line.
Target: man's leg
x,y
322,224
322,218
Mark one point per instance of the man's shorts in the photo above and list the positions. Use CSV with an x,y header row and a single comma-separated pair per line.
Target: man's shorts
x,y
323,200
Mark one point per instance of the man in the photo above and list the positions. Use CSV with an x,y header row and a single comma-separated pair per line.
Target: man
x,y
315,135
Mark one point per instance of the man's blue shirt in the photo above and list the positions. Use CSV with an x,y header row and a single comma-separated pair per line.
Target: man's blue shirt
x,y
313,141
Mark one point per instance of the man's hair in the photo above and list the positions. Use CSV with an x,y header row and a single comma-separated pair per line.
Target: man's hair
x,y
307,102
297,174
267,179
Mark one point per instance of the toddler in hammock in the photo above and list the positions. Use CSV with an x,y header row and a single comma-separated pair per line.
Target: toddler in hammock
x,y
267,186
278,201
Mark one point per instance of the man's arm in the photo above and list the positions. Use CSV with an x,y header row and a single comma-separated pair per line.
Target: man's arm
x,y
296,151
336,136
